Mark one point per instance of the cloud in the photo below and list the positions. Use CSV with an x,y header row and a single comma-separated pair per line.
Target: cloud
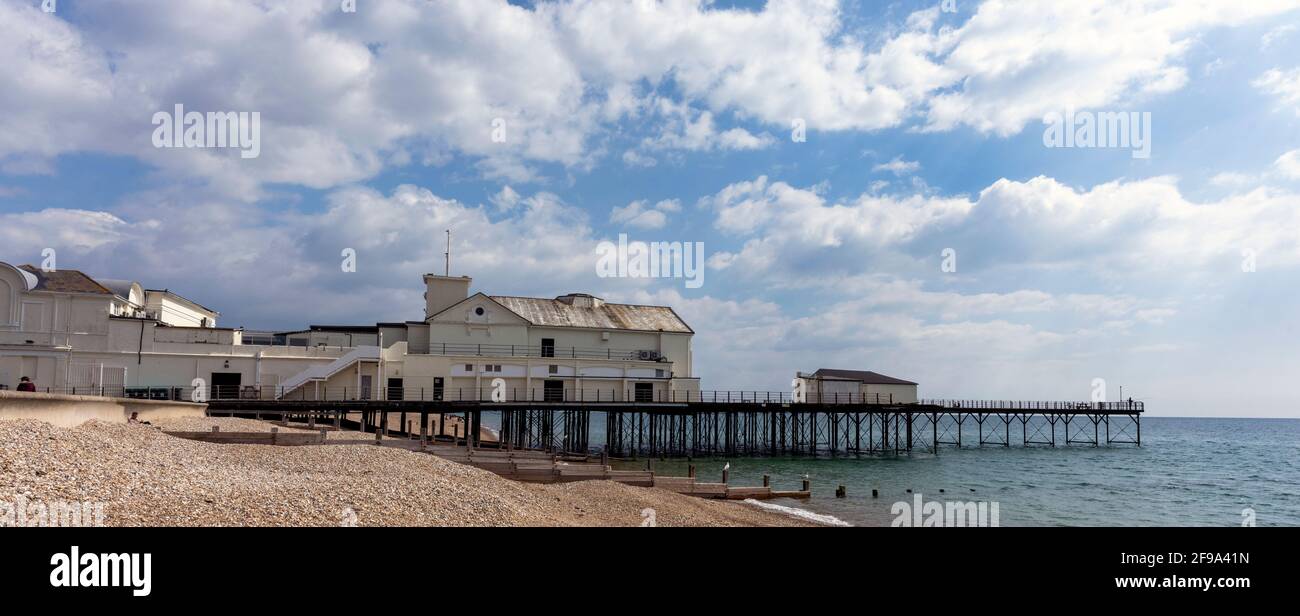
x,y
1012,63
641,215
1288,165
1282,85
344,95
166,240
786,225
898,166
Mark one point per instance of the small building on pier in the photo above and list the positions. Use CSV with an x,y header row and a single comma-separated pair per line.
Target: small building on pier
x,y
829,385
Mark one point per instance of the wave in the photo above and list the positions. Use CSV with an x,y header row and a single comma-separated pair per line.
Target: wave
x,y
802,514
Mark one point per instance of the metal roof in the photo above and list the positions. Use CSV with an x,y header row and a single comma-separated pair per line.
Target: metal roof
x,y
861,376
599,315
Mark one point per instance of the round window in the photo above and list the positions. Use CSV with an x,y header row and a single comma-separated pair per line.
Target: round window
x,y
479,311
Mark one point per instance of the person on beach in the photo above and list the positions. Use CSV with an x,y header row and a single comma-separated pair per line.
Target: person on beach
x,y
26,384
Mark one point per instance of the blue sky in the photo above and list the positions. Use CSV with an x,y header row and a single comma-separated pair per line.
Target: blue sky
x,y
671,121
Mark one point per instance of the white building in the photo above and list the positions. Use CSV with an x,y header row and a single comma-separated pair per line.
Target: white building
x,y
67,330
829,386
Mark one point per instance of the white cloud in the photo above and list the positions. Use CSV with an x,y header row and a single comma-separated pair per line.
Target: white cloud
x,y
1014,62
898,166
1282,85
1040,223
167,240
1288,165
412,82
641,215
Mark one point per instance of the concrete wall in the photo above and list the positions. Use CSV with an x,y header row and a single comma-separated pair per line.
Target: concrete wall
x,y
72,411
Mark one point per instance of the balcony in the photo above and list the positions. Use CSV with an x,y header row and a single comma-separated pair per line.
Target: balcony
x,y
543,351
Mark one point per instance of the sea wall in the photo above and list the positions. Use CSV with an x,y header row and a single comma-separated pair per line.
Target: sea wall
x,y
72,411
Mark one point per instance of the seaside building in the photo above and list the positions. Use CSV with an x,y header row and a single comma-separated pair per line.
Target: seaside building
x,y
67,330
828,383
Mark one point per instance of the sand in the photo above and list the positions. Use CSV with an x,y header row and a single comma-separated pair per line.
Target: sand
x,y
147,478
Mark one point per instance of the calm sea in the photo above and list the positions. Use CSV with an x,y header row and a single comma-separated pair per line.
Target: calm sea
x,y
1188,472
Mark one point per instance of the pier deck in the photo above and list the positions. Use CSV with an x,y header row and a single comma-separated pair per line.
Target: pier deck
x,y
714,423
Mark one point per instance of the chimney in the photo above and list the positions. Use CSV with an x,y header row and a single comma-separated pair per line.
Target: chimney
x,y
441,292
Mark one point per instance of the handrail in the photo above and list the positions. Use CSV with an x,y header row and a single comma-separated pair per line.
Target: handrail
x,y
587,395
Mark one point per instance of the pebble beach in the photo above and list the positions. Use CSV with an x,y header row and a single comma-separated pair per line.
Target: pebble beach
x,y
147,478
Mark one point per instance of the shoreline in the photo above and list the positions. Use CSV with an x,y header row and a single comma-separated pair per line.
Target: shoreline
x,y
147,478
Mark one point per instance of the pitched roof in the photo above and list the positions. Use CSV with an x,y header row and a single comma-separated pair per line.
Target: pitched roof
x,y
65,281
861,376
594,315
120,288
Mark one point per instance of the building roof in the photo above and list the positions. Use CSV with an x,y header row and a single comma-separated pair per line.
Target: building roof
x,y
65,281
353,329
861,376
120,288
594,315
187,300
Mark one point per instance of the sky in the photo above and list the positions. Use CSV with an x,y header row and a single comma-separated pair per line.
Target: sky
x,y
875,184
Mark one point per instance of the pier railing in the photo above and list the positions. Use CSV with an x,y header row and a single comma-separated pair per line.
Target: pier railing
x,y
586,396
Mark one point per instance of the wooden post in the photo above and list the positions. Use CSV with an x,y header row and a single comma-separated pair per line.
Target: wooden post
x,y
725,474
807,485
338,419
840,492
378,435
311,420
410,429
690,471
274,434
767,480
323,436
216,428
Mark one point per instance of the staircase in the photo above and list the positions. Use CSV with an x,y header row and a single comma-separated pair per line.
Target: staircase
x,y
321,373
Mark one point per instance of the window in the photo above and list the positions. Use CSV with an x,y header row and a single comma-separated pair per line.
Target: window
x,y
548,347
659,373
554,369
469,367
479,311
492,368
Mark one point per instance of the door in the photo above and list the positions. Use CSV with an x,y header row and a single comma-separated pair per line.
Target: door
x,y
395,391
645,392
225,385
367,382
553,391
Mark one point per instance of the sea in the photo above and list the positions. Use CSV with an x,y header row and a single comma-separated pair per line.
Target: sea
x,y
1187,472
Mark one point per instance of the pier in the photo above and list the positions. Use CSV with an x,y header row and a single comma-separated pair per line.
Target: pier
x,y
710,423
